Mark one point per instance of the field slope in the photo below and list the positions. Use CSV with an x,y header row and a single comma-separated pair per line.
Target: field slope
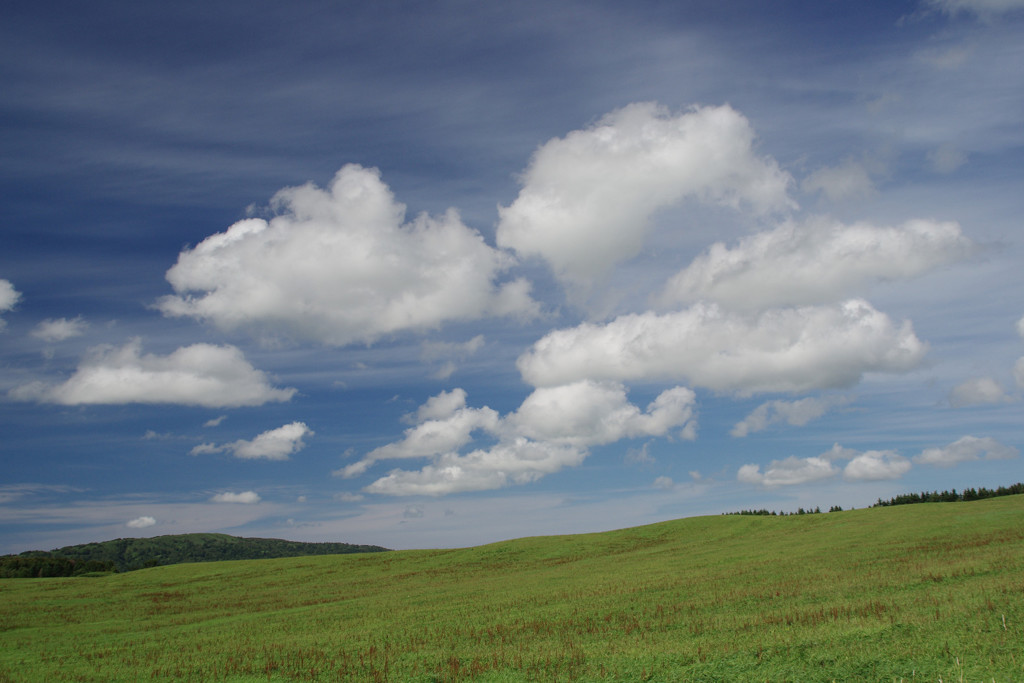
x,y
912,593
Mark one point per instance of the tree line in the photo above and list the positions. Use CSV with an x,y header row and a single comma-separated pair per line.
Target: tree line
x,y
19,567
951,496
908,499
772,513
129,554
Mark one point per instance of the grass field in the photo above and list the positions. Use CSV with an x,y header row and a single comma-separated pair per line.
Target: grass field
x,y
913,593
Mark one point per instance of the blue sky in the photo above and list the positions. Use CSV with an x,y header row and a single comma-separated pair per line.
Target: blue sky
x,y
437,274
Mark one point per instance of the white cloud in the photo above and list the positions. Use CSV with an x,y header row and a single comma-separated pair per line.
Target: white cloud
x,y
518,461
201,374
552,429
1020,328
9,298
849,180
439,407
339,266
838,452
215,422
978,391
788,472
1018,372
432,437
784,350
141,522
57,330
588,413
866,466
275,444
876,466
797,413
816,261
587,197
966,449
245,497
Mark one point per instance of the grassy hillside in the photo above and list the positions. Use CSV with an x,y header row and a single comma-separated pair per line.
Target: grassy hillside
x,y
912,593
127,554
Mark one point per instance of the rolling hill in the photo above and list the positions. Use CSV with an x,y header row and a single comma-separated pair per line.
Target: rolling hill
x,y
910,592
126,554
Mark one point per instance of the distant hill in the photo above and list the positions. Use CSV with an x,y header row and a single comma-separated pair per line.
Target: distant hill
x,y
126,554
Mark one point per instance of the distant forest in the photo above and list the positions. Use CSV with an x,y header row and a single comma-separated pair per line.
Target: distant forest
x,y
128,554
910,499
951,496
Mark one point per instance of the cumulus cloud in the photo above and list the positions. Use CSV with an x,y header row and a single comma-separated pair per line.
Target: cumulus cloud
x,y
797,413
9,298
56,330
553,428
978,391
431,437
862,466
245,497
664,483
816,261
784,350
141,522
518,461
876,466
788,472
587,198
340,265
439,407
275,444
966,449
201,375
1020,328
588,413
849,180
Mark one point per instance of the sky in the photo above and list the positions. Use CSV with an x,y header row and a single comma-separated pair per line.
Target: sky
x,y
443,273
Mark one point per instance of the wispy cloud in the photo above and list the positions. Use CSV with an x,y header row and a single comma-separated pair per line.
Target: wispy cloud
x,y
797,413
57,330
966,449
978,391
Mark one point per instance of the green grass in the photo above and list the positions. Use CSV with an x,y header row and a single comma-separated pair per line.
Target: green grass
x,y
913,593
